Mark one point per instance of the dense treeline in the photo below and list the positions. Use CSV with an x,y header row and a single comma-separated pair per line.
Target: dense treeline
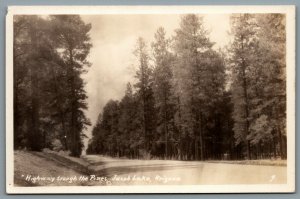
x,y
258,69
192,102
49,55
189,101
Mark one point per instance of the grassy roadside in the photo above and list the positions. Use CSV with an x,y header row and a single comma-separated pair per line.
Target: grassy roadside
x,y
28,163
282,163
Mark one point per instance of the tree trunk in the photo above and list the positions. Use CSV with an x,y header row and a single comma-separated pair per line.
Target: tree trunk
x,y
246,109
165,123
36,138
201,138
75,151
281,153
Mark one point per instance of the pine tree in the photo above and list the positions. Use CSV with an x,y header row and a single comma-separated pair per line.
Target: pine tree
x,y
31,45
242,49
70,34
191,43
162,88
126,125
42,79
269,112
145,93
258,62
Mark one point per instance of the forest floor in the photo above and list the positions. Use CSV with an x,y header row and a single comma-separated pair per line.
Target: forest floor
x,y
56,169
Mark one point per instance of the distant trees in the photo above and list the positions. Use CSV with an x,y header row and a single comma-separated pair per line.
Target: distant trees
x,y
119,128
49,57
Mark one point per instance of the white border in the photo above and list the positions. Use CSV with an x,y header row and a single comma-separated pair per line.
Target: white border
x,y
95,10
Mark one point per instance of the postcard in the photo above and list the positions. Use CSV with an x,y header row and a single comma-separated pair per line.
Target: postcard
x,y
150,99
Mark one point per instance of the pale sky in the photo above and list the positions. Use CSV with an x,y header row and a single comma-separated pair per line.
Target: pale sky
x,y
114,38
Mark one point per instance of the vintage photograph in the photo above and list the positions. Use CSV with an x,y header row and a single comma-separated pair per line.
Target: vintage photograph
x,y
120,100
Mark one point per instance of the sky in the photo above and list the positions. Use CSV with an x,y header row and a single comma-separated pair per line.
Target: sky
x,y
114,38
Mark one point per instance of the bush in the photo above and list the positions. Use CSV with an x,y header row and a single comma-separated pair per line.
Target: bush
x,y
57,146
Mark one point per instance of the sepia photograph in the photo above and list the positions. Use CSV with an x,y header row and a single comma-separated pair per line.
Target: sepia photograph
x,y
151,99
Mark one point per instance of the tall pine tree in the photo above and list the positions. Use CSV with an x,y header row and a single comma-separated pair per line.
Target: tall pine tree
x,y
144,87
70,34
